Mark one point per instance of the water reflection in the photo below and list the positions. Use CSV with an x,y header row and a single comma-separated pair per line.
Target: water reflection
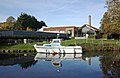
x,y
23,60
56,59
87,65
110,64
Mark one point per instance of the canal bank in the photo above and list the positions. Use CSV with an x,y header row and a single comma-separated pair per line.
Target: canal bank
x,y
87,45
17,51
99,47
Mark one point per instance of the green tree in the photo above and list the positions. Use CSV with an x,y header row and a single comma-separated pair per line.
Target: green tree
x,y
105,24
110,23
25,21
9,23
11,19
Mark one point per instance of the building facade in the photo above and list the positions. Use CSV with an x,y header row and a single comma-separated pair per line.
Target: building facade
x,y
88,29
71,31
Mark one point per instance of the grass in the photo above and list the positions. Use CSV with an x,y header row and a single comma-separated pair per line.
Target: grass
x,y
88,42
17,46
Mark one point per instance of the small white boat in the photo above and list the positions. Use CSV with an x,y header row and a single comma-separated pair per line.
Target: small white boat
x,y
55,47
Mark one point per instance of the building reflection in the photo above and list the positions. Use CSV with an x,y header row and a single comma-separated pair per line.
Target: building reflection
x,y
88,59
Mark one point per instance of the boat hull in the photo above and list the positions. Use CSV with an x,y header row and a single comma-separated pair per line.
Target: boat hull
x,y
58,49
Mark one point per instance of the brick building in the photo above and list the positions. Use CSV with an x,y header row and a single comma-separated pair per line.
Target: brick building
x,y
73,31
70,30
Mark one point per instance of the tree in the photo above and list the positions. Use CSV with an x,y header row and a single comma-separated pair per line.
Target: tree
x,y
9,23
105,24
10,19
110,23
25,21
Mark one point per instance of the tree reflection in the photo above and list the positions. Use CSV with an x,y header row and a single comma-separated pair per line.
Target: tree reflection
x,y
110,65
105,65
28,64
23,61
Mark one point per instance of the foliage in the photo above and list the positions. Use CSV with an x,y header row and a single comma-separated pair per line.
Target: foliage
x,y
110,23
91,36
105,36
10,19
28,29
25,21
9,23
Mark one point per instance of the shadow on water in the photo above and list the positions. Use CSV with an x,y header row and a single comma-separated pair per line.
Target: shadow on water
x,y
109,62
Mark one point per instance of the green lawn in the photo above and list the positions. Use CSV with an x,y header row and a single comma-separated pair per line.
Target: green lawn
x,y
29,46
89,41
17,46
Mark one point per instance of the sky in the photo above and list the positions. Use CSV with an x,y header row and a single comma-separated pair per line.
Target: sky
x,y
55,12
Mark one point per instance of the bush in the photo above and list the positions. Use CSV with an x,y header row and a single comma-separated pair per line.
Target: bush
x,y
105,36
91,36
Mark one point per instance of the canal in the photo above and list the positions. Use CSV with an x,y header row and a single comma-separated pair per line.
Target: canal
x,y
87,65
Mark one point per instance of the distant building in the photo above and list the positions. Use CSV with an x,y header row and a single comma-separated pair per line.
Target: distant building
x,y
71,31
88,29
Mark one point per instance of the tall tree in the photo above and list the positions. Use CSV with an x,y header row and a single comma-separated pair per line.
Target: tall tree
x,y
10,19
9,23
25,21
110,23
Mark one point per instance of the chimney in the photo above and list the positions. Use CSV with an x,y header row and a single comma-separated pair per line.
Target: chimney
x,y
89,19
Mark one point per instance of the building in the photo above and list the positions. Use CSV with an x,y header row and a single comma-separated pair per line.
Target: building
x,y
71,31
20,36
88,29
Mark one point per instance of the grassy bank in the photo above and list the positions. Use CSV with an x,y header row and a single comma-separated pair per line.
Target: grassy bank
x,y
28,46
95,45
90,41
89,44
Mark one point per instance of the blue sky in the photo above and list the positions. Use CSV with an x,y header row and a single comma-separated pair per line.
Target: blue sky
x,y
55,12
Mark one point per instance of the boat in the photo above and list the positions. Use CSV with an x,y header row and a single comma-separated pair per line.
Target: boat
x,y
55,47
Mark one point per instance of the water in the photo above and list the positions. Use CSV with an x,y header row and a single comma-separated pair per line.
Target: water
x,y
88,65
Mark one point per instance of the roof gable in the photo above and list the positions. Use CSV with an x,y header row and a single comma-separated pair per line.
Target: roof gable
x,y
96,29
